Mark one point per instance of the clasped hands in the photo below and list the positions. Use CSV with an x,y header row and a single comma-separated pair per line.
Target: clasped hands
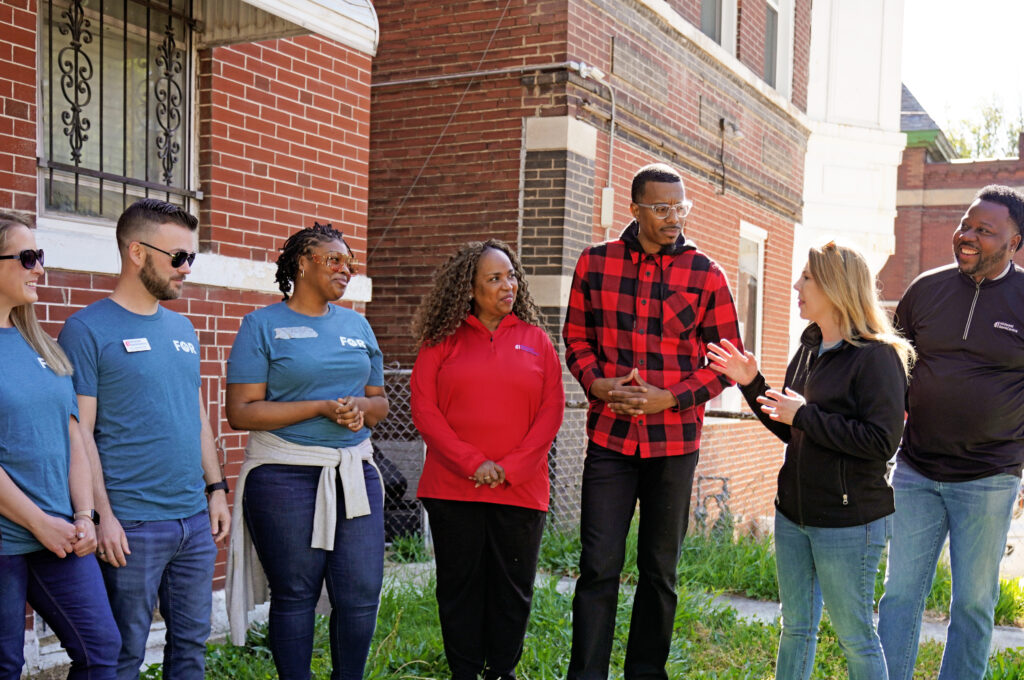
x,y
636,399
348,414
489,473
741,368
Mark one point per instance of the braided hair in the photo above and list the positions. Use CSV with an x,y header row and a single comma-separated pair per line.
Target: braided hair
x,y
298,244
450,301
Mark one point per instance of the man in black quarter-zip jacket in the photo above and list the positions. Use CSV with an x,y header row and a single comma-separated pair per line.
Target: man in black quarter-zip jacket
x,y
959,465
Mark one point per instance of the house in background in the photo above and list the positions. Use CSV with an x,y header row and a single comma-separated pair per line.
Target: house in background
x,y
254,115
934,189
525,121
856,141
416,125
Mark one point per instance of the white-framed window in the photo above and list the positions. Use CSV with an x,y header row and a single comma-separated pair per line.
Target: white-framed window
x,y
749,298
116,105
711,19
771,41
718,22
778,45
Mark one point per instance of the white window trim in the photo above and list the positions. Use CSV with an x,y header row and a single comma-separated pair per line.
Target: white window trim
x,y
89,246
784,50
754,233
730,13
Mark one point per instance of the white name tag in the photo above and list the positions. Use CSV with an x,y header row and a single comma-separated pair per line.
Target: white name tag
x,y
136,344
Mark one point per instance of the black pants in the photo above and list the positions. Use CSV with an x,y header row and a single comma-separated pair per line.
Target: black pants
x,y
612,485
486,558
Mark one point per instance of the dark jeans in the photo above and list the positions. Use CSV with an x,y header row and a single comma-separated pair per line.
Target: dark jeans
x,y
486,557
171,563
278,506
613,483
68,593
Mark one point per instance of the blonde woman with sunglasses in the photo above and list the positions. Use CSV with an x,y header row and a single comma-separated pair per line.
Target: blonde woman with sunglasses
x,y
840,413
47,536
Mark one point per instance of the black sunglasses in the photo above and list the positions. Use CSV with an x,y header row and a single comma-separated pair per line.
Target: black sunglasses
x,y
28,258
177,259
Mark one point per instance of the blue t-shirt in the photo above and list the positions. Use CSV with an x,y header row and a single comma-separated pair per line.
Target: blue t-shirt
x,y
35,404
303,358
144,373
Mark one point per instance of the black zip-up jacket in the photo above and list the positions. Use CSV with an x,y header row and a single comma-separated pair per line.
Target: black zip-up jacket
x,y
834,473
965,402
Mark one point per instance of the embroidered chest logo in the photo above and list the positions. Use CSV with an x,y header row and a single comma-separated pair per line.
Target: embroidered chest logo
x,y
1002,325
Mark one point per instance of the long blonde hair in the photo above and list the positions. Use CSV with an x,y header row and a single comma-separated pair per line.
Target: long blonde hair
x,y
23,317
843,275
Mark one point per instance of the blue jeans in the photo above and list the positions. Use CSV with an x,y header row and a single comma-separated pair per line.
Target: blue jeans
x,y
976,516
278,505
68,593
171,560
837,566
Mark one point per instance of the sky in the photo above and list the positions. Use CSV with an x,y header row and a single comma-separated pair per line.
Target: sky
x,y
958,54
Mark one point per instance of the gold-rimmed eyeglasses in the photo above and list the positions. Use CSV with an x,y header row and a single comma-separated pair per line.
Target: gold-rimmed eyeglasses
x,y
335,262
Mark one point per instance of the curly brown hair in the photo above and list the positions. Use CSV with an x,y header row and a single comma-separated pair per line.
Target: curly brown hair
x,y
450,301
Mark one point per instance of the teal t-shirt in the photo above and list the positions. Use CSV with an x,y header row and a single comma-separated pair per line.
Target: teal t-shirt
x,y
144,373
35,405
302,358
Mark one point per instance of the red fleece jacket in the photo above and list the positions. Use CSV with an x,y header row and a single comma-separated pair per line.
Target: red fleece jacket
x,y
478,396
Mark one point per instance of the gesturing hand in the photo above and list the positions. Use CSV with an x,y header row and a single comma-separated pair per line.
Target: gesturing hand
x,y
740,367
781,407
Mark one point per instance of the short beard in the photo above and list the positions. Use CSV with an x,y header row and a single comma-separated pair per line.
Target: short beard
x,y
985,262
161,290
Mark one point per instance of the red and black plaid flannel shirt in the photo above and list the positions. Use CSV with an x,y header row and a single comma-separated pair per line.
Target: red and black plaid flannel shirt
x,y
656,313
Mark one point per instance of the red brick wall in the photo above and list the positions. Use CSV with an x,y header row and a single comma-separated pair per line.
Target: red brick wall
x,y
284,134
468,184
283,140
801,52
18,105
924,232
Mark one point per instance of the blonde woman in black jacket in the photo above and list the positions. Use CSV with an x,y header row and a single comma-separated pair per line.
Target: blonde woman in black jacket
x,y
841,416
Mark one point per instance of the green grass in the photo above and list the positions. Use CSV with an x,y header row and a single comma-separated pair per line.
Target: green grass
x,y
745,565
709,642
408,548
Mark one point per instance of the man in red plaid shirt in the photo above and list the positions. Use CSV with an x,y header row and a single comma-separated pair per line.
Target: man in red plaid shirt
x,y
641,311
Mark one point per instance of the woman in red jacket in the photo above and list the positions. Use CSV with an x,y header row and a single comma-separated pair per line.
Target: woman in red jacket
x,y
487,398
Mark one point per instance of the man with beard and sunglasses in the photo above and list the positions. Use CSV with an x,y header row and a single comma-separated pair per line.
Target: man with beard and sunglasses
x,y
959,465
160,495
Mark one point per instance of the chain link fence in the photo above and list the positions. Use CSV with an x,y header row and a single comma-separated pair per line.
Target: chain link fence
x,y
399,452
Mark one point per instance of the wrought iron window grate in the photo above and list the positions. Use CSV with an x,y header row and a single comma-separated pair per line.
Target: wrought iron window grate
x,y
117,104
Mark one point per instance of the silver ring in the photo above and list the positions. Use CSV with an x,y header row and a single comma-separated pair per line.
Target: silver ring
x,y
81,535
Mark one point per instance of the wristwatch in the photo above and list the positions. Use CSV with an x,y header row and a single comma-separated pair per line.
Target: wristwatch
x,y
222,484
88,514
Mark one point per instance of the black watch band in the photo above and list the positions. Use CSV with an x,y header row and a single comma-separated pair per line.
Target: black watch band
x,y
222,484
90,514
